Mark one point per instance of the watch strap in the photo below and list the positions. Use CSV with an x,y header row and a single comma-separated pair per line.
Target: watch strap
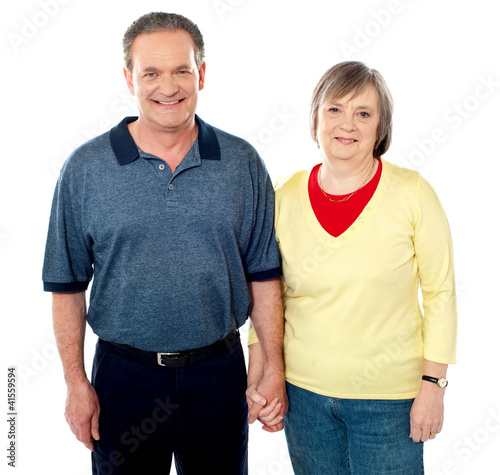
x,y
430,379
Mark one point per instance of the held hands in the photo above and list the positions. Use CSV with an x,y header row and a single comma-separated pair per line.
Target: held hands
x,y
271,413
82,413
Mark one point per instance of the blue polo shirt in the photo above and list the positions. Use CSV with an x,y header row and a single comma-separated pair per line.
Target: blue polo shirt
x,y
170,255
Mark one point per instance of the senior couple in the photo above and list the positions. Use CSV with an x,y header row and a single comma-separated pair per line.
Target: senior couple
x,y
177,224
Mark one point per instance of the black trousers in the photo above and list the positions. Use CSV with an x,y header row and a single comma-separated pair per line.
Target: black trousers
x,y
149,413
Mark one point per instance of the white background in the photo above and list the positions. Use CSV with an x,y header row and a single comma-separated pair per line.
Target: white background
x,y
62,83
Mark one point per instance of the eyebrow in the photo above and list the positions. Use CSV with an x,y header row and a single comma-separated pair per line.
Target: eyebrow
x,y
184,66
362,106
366,107
153,69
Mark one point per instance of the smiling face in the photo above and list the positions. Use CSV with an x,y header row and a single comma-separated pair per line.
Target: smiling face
x,y
347,127
165,79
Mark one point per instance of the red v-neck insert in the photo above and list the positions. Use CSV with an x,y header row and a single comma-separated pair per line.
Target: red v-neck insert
x,y
336,218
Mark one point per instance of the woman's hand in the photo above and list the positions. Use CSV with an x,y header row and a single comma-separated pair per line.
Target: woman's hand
x,y
266,393
427,412
270,415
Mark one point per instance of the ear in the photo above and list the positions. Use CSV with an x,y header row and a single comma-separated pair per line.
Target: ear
x,y
129,78
201,73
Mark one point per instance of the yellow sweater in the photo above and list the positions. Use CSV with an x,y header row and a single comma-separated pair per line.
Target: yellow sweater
x,y
353,324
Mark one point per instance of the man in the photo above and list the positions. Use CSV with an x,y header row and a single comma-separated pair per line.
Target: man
x,y
173,220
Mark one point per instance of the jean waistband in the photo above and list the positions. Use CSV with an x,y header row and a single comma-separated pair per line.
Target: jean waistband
x,y
180,358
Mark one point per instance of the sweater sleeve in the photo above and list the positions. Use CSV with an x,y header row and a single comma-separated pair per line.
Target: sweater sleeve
x,y
252,335
434,255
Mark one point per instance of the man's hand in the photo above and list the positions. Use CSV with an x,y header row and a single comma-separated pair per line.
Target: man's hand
x,y
266,374
82,413
270,415
69,312
266,393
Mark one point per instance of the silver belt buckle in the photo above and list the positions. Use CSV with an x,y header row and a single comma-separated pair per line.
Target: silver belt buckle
x,y
159,355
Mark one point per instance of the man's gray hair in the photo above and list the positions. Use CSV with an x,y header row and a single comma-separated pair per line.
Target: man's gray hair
x,y
160,21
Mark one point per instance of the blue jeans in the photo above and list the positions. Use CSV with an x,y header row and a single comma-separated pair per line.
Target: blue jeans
x,y
196,414
333,436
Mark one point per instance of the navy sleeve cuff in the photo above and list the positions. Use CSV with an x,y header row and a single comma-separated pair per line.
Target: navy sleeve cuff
x,y
65,287
264,275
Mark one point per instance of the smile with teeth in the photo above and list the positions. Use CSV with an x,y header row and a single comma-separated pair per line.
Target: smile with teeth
x,y
345,140
169,103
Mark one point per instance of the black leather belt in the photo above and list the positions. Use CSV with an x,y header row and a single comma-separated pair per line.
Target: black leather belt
x,y
182,358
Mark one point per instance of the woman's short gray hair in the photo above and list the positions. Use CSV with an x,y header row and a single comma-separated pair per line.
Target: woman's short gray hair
x,y
352,77
160,21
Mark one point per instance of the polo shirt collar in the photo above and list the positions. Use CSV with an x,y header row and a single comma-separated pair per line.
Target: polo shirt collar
x,y
126,150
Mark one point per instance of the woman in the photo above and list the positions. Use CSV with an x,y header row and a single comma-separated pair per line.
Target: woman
x,y
365,367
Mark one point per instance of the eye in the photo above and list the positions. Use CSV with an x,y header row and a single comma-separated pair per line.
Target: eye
x,y
333,109
150,75
364,114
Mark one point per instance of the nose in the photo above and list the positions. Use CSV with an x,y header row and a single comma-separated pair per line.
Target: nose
x,y
348,123
169,86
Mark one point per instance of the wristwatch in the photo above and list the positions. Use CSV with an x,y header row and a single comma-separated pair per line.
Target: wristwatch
x,y
441,382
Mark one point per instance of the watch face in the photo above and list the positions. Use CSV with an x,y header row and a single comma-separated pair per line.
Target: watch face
x,y
442,382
